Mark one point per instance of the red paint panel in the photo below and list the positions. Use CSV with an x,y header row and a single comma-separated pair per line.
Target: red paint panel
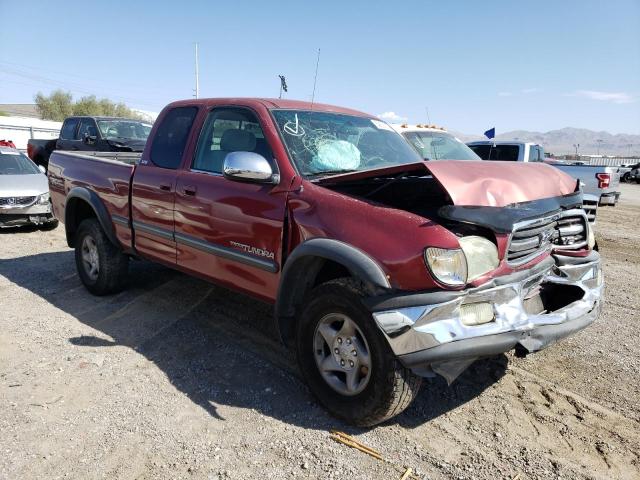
x,y
110,180
152,205
396,239
497,184
221,212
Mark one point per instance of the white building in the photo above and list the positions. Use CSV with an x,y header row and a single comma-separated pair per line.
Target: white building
x,y
20,129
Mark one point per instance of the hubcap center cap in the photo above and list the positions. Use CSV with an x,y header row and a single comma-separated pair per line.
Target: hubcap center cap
x,y
345,352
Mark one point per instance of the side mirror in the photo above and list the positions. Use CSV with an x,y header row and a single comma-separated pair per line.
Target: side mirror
x,y
42,169
89,139
248,167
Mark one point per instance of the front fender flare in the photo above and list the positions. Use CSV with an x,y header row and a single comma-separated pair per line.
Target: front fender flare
x,y
302,266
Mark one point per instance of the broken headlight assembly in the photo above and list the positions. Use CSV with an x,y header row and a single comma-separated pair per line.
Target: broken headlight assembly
x,y
43,199
476,257
481,255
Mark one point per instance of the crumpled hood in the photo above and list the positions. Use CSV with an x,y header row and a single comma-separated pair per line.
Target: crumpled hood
x,y
481,183
497,184
23,185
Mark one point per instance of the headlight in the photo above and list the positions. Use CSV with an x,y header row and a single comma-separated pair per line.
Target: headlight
x,y
447,266
481,254
476,257
43,199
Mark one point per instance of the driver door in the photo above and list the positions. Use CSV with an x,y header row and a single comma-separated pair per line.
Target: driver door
x,y
229,231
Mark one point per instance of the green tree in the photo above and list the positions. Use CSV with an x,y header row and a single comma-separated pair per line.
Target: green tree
x,y
57,106
60,105
108,107
88,106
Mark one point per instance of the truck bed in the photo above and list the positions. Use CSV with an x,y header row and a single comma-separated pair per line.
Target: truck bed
x,y
587,175
107,174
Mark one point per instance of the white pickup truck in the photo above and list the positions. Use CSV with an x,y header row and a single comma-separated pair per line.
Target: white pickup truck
x,y
601,181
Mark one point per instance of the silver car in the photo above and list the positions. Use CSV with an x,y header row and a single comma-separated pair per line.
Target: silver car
x,y
24,192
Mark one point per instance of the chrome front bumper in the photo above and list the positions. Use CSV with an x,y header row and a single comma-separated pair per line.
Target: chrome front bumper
x,y
426,334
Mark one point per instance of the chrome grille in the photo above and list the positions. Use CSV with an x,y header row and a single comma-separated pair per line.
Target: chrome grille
x,y
12,202
531,238
571,230
590,207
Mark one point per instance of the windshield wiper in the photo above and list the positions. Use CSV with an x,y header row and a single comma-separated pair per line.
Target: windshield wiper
x,y
387,183
329,173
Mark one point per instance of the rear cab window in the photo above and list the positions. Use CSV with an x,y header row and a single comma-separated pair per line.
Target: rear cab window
x,y
503,153
69,128
171,137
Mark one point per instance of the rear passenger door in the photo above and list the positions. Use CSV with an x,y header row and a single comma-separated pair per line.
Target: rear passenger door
x,y
229,231
154,186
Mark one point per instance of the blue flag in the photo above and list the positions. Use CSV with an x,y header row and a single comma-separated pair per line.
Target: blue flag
x,y
491,133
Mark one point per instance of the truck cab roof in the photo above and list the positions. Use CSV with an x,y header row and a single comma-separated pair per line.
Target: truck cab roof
x,y
270,104
501,142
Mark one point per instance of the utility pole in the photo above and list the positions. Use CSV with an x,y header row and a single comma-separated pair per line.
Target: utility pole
x,y
576,146
197,90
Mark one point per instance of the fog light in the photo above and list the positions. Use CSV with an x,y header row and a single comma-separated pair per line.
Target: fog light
x,y
476,313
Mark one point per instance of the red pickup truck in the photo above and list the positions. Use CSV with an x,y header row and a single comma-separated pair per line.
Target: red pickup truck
x,y
382,268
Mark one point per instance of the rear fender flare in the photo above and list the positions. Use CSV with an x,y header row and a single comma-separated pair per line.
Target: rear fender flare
x,y
91,198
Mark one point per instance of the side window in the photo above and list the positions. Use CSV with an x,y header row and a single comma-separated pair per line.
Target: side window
x,y
68,131
87,127
171,137
229,130
534,153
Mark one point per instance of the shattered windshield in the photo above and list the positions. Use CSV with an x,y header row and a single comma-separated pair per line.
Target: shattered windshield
x,y
322,143
128,129
439,146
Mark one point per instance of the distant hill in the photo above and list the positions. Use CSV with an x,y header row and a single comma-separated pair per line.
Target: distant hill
x,y
560,142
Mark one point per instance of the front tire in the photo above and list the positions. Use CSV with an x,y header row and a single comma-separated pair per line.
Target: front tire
x,y
102,266
346,360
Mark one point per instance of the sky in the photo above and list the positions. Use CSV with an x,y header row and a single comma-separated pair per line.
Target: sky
x,y
537,65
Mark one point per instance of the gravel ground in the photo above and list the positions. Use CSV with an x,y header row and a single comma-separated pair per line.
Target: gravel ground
x,y
176,378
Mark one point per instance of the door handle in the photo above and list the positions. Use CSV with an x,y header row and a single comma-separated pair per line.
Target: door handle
x,y
189,189
165,187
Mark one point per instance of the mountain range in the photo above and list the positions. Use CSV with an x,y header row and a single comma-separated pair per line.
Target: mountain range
x,y
562,141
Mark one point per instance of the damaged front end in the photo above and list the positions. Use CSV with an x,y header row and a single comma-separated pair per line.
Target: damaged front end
x,y
553,289
546,284
444,332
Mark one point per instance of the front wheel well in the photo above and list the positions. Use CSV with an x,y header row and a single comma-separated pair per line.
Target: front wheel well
x,y
307,273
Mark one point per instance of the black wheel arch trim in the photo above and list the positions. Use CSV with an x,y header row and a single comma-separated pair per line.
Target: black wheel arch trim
x,y
304,263
93,200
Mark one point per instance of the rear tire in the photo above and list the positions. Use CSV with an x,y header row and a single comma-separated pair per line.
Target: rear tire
x,y
102,266
382,387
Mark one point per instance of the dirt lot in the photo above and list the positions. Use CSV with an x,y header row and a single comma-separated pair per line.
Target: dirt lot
x,y
176,378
